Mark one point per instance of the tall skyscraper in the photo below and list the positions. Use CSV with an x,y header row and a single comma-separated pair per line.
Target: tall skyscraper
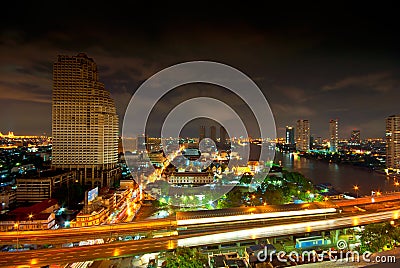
x,y
202,133
303,135
289,135
84,122
355,138
222,136
213,133
393,142
333,135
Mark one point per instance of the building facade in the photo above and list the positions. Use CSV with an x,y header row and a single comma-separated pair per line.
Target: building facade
x,y
333,135
355,137
84,122
191,178
303,135
213,133
393,142
36,189
289,138
202,132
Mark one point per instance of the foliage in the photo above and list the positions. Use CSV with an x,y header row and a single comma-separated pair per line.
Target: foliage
x,y
184,257
376,236
234,198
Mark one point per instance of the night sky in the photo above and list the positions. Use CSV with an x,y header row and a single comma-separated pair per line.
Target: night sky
x,y
316,62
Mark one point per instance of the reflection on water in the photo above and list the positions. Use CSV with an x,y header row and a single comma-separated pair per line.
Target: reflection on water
x,y
342,177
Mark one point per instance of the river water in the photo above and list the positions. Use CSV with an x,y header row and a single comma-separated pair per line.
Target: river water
x,y
342,177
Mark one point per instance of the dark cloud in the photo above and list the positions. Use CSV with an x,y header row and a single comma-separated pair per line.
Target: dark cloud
x,y
312,62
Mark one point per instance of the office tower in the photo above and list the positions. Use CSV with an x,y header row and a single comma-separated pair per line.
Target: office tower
x,y
333,135
222,135
289,135
393,142
202,133
355,138
303,135
213,133
141,143
84,122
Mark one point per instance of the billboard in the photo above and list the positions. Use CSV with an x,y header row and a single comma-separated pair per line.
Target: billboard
x,y
92,194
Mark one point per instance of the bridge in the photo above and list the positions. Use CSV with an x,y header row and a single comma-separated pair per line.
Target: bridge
x,y
199,228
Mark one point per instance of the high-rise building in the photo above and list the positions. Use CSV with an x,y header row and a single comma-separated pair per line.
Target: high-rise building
x,y
213,133
222,136
289,135
84,122
202,133
393,142
303,135
333,135
355,138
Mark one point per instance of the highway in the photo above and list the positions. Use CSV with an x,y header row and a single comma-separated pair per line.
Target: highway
x,y
210,232
37,258
69,235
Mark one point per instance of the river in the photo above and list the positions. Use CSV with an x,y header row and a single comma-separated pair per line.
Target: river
x,y
342,177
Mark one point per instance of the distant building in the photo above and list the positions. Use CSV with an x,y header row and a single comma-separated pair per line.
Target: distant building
x,y
393,142
355,138
84,122
202,133
8,197
42,187
222,136
333,135
213,133
303,135
289,138
191,178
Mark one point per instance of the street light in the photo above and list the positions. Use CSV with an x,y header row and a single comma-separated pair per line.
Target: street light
x,y
356,188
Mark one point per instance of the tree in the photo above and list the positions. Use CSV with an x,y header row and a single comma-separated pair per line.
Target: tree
x,y
376,236
184,257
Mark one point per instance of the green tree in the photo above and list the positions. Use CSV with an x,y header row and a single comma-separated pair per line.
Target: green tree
x,y
376,236
184,257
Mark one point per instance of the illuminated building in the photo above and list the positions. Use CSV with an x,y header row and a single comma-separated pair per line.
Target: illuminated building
x,y
289,135
303,135
333,135
393,142
191,178
84,122
39,216
355,138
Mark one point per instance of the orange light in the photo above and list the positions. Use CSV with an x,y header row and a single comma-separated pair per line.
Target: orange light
x,y
116,252
396,215
378,193
34,261
355,187
355,221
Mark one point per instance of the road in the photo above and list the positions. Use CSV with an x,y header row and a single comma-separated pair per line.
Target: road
x,y
63,236
205,234
37,258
